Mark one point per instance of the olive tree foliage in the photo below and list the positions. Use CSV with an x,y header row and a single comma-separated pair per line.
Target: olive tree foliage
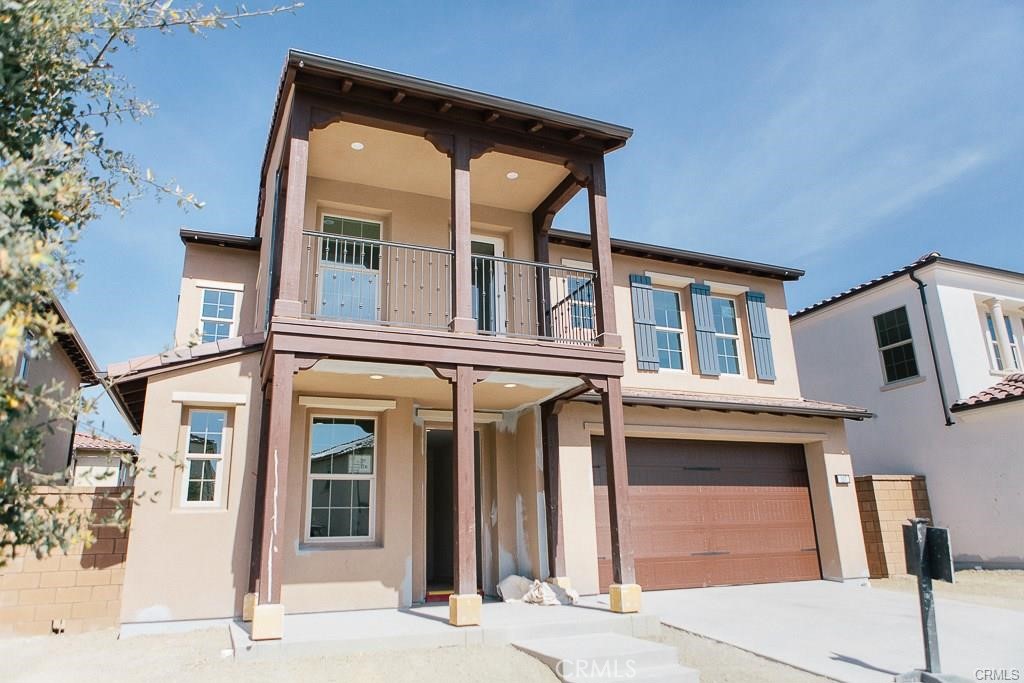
x,y
59,96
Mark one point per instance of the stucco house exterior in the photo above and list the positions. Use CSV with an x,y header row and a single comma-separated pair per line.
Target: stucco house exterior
x,y
407,383
933,349
70,365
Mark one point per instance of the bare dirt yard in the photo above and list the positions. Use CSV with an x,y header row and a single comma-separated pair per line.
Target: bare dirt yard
x,y
204,657
992,587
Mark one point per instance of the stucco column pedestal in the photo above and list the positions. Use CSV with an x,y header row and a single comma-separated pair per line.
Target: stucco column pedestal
x,y
267,622
248,605
464,610
624,598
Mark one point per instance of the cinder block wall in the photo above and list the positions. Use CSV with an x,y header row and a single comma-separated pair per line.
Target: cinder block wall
x,y
81,590
886,502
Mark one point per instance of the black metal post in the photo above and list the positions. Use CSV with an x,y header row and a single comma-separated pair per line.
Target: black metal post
x,y
926,597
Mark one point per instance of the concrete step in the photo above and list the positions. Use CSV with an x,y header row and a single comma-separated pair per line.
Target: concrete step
x,y
595,657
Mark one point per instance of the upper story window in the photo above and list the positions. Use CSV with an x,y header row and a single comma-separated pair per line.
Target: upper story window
x,y
1013,349
669,321
204,460
581,295
217,320
342,478
896,345
993,342
727,337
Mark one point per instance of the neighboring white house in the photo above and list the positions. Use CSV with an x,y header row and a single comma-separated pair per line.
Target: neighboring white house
x,y
934,350
101,461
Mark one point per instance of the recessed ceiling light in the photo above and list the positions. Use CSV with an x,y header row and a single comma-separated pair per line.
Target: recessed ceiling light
x,y
511,175
511,385
376,376
357,146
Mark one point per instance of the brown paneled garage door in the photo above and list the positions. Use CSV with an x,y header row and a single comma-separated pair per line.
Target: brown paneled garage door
x,y
712,513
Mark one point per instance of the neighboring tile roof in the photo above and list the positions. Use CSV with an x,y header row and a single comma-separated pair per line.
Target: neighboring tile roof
x,y
927,259
730,402
1010,388
95,442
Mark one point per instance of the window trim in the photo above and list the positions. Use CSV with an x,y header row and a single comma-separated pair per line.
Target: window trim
x,y
221,458
680,331
235,308
308,507
738,336
995,356
1014,345
886,382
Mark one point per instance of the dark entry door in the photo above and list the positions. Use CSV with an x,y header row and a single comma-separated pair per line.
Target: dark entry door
x,y
441,510
707,513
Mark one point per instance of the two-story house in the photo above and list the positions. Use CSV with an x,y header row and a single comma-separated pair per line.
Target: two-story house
x,y
406,384
933,349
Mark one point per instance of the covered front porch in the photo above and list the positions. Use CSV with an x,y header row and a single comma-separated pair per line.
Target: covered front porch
x,y
388,485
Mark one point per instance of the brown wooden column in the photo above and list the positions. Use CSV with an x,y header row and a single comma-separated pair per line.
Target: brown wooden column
x,y
618,482
552,489
464,472
275,484
461,155
601,254
290,287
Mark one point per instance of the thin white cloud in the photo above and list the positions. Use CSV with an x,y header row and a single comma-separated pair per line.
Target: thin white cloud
x,y
865,113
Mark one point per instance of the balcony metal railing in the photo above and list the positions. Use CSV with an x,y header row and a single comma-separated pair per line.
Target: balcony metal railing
x,y
390,283
364,280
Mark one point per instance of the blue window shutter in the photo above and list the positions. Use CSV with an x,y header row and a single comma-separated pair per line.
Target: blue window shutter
x,y
704,326
760,335
644,323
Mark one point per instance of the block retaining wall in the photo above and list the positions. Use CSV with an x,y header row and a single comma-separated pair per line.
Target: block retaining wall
x,y
75,591
886,502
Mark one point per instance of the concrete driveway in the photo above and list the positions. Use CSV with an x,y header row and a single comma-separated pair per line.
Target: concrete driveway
x,y
844,631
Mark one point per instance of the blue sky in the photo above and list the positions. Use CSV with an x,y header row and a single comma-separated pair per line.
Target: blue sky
x,y
846,139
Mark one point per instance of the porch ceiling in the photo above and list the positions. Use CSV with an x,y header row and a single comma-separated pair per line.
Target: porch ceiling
x,y
411,164
331,377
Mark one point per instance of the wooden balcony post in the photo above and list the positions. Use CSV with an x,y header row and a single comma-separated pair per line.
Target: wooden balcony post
x,y
624,594
552,492
289,287
462,276
601,254
464,605
268,613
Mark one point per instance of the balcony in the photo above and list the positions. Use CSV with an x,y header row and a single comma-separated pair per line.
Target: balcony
x,y
376,282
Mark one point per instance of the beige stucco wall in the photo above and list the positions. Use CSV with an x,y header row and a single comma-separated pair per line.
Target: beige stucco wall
x,y
192,563
746,384
837,519
216,267
43,372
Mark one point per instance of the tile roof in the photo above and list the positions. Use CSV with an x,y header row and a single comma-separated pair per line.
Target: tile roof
x,y
95,442
1010,388
730,402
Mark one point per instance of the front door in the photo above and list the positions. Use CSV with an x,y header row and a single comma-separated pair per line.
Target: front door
x,y
488,284
440,513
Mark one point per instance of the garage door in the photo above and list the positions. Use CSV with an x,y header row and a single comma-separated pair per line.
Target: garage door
x,y
712,513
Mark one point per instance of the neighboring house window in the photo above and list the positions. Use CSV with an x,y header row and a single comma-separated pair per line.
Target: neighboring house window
x,y
581,294
205,456
896,345
218,316
727,337
342,478
26,351
669,320
993,342
1014,349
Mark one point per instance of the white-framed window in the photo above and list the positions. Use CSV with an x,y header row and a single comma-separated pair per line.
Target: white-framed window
x,y
895,345
727,335
1014,348
341,498
668,316
204,458
993,342
217,318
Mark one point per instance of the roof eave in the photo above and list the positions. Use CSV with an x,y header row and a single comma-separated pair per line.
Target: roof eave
x,y
670,254
215,239
728,406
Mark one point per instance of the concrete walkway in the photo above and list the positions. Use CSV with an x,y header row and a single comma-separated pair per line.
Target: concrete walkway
x,y
847,632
